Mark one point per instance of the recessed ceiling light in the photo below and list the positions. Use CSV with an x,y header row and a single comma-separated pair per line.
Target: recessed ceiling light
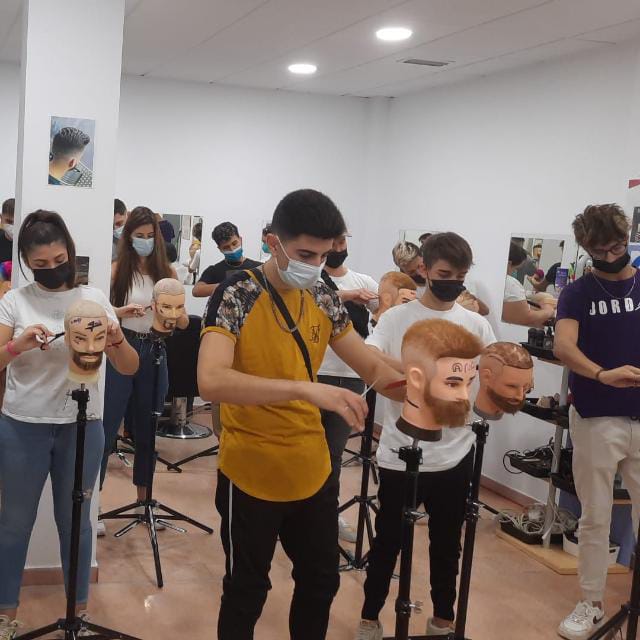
x,y
394,34
303,68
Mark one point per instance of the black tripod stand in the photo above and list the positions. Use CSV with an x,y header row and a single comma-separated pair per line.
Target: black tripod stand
x,y
363,500
72,624
412,456
628,612
149,504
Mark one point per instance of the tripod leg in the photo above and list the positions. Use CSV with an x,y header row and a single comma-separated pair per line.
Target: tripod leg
x,y
153,535
118,511
43,631
125,530
170,525
181,516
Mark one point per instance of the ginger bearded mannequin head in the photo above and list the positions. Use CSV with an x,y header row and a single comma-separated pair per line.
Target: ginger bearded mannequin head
x,y
506,376
86,328
168,305
440,362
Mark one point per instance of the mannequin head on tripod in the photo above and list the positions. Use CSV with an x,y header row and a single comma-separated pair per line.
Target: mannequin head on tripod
x,y
86,327
439,359
506,376
168,305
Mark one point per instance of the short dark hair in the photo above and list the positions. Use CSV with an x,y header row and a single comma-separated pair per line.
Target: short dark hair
x,y
424,236
44,227
267,229
119,207
69,140
172,252
449,247
307,212
197,231
8,207
537,246
517,255
224,232
600,224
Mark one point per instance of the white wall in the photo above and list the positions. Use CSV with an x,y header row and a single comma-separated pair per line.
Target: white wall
x,y
522,151
231,154
9,100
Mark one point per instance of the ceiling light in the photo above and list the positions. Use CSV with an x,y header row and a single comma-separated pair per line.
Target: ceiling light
x,y
303,68
394,34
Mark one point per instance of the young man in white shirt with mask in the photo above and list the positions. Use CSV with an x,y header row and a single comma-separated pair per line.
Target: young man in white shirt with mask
x,y
445,472
359,293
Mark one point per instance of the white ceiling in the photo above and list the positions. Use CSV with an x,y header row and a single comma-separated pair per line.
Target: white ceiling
x,y
251,42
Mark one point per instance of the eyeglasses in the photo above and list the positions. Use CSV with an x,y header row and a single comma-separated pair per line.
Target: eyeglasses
x,y
615,250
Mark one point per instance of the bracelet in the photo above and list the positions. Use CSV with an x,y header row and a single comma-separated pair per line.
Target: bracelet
x,y
600,371
10,349
117,344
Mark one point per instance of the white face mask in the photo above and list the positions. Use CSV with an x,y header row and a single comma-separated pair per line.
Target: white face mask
x,y
8,231
299,275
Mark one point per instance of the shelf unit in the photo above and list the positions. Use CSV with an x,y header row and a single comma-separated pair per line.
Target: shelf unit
x,y
552,557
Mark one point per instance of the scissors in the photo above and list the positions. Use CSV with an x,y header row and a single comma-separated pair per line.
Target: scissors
x,y
44,343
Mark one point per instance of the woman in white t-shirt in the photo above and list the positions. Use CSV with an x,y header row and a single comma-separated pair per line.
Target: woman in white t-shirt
x,y
37,425
515,308
142,261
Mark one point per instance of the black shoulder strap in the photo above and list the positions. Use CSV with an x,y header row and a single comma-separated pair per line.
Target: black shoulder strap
x,y
282,307
359,314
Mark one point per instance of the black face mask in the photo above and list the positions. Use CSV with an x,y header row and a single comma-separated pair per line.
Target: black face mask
x,y
419,280
336,259
447,290
53,278
612,267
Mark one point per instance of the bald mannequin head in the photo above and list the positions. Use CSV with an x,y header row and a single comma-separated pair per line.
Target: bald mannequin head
x,y
439,359
506,376
168,305
86,326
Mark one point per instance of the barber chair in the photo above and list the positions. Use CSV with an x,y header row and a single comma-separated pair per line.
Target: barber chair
x,y
182,362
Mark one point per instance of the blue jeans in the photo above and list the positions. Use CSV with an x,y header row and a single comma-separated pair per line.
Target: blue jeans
x,y
28,454
139,389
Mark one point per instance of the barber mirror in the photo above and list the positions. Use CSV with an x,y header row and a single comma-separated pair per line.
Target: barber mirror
x,y
183,235
538,267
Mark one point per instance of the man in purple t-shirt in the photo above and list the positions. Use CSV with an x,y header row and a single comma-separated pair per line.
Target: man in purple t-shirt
x,y
598,338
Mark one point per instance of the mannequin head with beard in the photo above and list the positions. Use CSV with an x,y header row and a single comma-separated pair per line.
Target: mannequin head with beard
x,y
506,377
168,305
440,362
86,327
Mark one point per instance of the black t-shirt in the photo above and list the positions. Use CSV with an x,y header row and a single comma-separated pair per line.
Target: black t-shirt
x,y
551,274
6,248
217,273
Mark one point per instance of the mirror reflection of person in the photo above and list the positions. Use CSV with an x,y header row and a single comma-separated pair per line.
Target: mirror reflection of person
x,y
515,308
37,424
406,256
67,148
229,243
265,232
6,237
597,338
548,279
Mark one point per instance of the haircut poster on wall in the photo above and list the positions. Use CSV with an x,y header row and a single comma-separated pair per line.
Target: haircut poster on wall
x,y
71,148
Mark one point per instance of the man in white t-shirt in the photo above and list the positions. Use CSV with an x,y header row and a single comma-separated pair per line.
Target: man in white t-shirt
x,y
445,472
359,293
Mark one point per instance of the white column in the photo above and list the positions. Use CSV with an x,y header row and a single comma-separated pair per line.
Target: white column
x,y
71,66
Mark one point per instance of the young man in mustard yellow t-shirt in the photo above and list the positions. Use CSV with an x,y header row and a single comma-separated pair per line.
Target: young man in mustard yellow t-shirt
x,y
274,468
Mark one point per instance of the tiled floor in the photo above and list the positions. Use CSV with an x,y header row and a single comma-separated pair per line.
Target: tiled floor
x,y
512,596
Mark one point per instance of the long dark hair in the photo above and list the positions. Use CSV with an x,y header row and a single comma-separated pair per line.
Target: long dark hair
x,y
127,265
42,228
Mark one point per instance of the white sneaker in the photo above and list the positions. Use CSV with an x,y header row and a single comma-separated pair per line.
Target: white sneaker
x,y
8,628
159,525
433,630
346,532
101,529
581,622
369,630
